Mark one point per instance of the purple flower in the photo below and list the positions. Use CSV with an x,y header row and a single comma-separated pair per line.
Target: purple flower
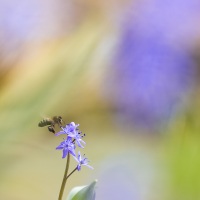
x,y
153,69
67,146
82,161
78,138
69,128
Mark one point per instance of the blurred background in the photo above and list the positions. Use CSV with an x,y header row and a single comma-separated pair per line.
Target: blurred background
x,y
126,71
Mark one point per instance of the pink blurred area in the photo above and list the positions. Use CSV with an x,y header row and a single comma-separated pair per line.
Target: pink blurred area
x,y
26,24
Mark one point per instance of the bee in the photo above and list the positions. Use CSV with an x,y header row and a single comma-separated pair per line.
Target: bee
x,y
51,122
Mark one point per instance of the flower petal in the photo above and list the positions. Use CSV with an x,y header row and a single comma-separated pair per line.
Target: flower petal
x,y
65,152
59,147
72,151
60,132
88,166
78,167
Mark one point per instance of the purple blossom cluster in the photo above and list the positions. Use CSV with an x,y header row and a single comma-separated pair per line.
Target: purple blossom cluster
x,y
154,71
73,137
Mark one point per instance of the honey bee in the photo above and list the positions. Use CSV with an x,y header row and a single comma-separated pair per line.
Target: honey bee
x,y
51,122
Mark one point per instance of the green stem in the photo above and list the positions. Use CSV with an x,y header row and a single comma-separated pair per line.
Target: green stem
x,y
71,172
64,178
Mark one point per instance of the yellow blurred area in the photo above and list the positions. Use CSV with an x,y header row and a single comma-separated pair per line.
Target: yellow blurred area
x,y
64,77
56,79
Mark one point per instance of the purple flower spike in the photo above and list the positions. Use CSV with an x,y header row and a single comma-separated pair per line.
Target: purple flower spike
x,y
69,128
82,161
67,146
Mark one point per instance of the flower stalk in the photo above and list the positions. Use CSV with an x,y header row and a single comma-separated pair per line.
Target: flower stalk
x,y
65,177
72,172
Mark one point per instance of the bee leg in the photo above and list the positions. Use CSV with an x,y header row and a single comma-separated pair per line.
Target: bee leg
x,y
51,129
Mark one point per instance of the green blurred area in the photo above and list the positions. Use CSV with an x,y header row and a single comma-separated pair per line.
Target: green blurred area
x,y
59,82
65,80
182,153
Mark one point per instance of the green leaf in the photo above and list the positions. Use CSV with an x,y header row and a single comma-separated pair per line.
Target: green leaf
x,y
83,192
